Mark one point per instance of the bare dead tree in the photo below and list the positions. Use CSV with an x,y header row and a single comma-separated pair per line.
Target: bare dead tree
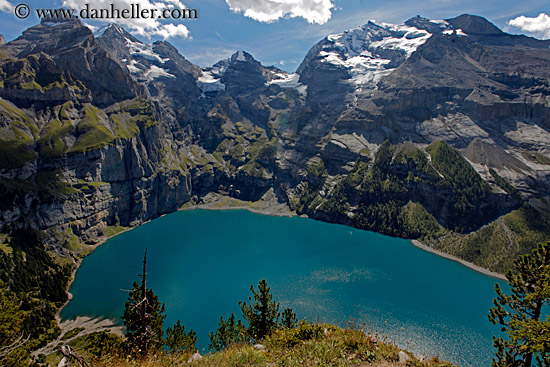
x,y
144,323
18,343
68,354
143,316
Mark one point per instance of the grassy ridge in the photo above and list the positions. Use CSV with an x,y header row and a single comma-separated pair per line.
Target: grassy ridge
x,y
496,245
305,345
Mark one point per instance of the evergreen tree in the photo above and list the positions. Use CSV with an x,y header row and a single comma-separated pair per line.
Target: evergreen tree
x,y
143,317
177,340
262,314
229,332
288,319
520,313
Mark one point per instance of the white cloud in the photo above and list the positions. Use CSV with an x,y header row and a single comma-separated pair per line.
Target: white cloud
x,y
142,27
6,6
539,25
314,11
210,54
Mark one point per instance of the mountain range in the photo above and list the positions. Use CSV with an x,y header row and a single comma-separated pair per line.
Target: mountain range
x,y
432,130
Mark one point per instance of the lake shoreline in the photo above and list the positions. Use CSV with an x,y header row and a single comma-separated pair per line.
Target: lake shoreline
x,y
325,271
88,323
212,201
217,202
267,205
468,264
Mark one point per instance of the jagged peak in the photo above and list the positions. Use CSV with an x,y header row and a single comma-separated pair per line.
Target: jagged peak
x,y
241,56
113,30
221,66
474,24
432,26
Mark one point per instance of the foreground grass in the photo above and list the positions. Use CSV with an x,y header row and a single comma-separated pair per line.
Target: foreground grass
x,y
306,345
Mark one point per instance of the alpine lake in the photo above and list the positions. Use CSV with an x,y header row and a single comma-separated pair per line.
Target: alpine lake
x,y
201,263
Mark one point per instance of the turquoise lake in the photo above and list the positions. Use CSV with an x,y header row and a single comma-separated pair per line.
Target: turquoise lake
x,y
201,263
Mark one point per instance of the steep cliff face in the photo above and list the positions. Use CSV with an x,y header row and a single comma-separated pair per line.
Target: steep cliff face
x,y
415,130
83,145
457,80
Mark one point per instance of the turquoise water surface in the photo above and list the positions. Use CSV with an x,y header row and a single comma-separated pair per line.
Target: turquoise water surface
x,y
201,263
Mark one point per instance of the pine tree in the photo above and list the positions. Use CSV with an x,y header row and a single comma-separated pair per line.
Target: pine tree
x,y
177,340
520,313
228,333
288,318
262,314
143,317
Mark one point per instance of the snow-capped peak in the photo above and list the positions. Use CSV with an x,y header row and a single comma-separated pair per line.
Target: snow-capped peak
x,y
372,50
140,58
375,49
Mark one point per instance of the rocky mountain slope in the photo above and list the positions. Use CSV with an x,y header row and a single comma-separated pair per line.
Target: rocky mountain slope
x,y
437,130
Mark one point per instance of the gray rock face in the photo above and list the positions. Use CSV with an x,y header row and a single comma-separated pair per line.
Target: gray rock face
x,y
73,47
242,129
159,67
243,73
472,24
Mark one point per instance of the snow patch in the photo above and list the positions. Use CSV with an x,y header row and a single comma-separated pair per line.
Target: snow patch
x,y
155,72
375,49
133,68
339,143
240,56
459,32
101,31
207,82
138,49
285,80
51,24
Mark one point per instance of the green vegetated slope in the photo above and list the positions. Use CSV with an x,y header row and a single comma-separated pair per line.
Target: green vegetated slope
x,y
17,136
34,281
70,128
73,128
306,345
496,245
55,114
433,195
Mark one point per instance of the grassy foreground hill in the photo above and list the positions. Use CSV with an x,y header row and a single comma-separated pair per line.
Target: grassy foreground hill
x,y
306,345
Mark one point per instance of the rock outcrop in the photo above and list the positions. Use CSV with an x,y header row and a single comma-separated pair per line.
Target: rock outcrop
x,y
411,130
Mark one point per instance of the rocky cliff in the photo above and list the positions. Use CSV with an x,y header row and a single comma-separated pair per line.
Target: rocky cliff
x,y
430,129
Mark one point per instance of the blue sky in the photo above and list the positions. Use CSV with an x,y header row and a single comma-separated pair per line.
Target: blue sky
x,y
280,32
